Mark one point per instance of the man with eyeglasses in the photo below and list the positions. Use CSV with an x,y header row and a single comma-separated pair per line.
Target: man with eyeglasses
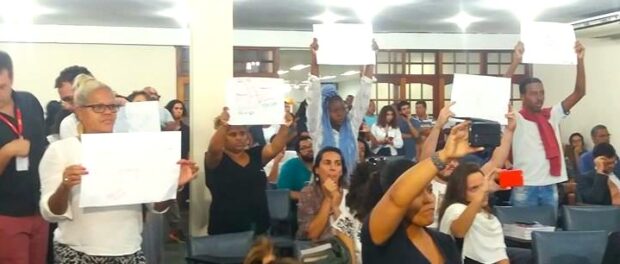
x,y
64,86
599,134
23,232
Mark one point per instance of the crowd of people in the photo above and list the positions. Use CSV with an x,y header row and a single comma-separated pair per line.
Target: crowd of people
x,y
388,187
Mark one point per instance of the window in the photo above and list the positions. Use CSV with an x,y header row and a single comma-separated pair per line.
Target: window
x,y
427,75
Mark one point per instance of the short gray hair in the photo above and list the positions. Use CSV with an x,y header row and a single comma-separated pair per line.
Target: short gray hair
x,y
84,85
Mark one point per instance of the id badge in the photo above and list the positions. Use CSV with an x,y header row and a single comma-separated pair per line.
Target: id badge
x,y
21,163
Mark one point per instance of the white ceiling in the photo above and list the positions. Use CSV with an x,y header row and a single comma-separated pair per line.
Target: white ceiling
x,y
411,16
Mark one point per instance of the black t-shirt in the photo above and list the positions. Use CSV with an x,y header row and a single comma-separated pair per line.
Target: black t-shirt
x,y
20,190
239,198
399,249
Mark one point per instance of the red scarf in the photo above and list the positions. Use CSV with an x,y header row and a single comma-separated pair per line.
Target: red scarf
x,y
547,135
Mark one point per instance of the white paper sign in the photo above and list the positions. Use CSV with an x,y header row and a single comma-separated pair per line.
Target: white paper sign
x,y
139,117
344,44
478,96
548,43
129,168
256,101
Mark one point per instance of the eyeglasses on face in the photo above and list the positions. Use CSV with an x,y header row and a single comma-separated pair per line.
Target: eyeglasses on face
x,y
100,108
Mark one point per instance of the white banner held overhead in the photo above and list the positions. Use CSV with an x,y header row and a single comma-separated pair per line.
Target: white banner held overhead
x,y
548,43
129,168
344,44
256,101
478,96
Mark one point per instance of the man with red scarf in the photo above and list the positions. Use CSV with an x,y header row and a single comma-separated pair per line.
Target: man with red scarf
x,y
536,142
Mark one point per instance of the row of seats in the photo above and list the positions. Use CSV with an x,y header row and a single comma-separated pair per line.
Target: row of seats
x,y
582,237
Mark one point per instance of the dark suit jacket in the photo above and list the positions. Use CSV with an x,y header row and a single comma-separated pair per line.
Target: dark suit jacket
x,y
593,188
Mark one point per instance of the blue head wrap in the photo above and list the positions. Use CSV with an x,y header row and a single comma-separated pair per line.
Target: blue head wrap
x,y
346,142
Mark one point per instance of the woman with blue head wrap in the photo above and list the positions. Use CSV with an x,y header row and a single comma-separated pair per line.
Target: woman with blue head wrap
x,y
329,122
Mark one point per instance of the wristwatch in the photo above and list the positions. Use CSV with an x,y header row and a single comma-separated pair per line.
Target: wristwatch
x,y
437,162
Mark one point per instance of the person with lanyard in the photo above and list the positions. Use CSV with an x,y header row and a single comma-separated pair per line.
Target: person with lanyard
x,y
329,123
23,232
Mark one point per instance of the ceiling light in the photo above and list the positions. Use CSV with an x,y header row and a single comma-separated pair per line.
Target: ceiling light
x,y
328,77
21,12
350,73
280,72
328,17
178,11
299,67
463,20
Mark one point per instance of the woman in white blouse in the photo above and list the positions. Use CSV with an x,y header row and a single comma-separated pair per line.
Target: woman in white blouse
x,y
91,235
465,214
386,137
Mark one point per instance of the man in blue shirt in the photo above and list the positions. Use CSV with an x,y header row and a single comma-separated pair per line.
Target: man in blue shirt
x,y
409,130
370,118
296,172
599,135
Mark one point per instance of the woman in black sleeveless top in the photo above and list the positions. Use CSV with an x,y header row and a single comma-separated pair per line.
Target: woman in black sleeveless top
x,y
236,178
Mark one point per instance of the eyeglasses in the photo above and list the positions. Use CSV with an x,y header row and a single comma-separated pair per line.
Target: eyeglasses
x,y
100,108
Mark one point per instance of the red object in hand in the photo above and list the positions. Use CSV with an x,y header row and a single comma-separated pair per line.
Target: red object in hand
x,y
510,178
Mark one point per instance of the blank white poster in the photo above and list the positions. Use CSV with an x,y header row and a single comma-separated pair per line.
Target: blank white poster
x,y
344,44
478,96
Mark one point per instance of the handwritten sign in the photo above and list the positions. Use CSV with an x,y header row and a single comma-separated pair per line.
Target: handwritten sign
x,y
256,101
129,168
548,43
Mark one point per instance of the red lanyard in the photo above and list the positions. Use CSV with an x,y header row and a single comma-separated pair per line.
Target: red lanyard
x,y
19,130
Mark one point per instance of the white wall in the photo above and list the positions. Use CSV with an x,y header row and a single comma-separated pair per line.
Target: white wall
x,y
125,68
601,104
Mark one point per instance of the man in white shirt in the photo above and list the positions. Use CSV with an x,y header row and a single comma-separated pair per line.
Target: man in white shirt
x,y
536,143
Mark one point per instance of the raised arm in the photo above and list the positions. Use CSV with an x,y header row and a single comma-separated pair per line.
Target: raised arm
x,y
460,225
580,82
517,58
279,142
215,152
313,97
501,153
388,214
430,144
362,98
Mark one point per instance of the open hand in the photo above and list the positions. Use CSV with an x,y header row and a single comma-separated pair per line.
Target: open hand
x,y
457,143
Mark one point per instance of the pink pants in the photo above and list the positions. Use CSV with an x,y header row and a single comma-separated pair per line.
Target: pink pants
x,y
23,240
